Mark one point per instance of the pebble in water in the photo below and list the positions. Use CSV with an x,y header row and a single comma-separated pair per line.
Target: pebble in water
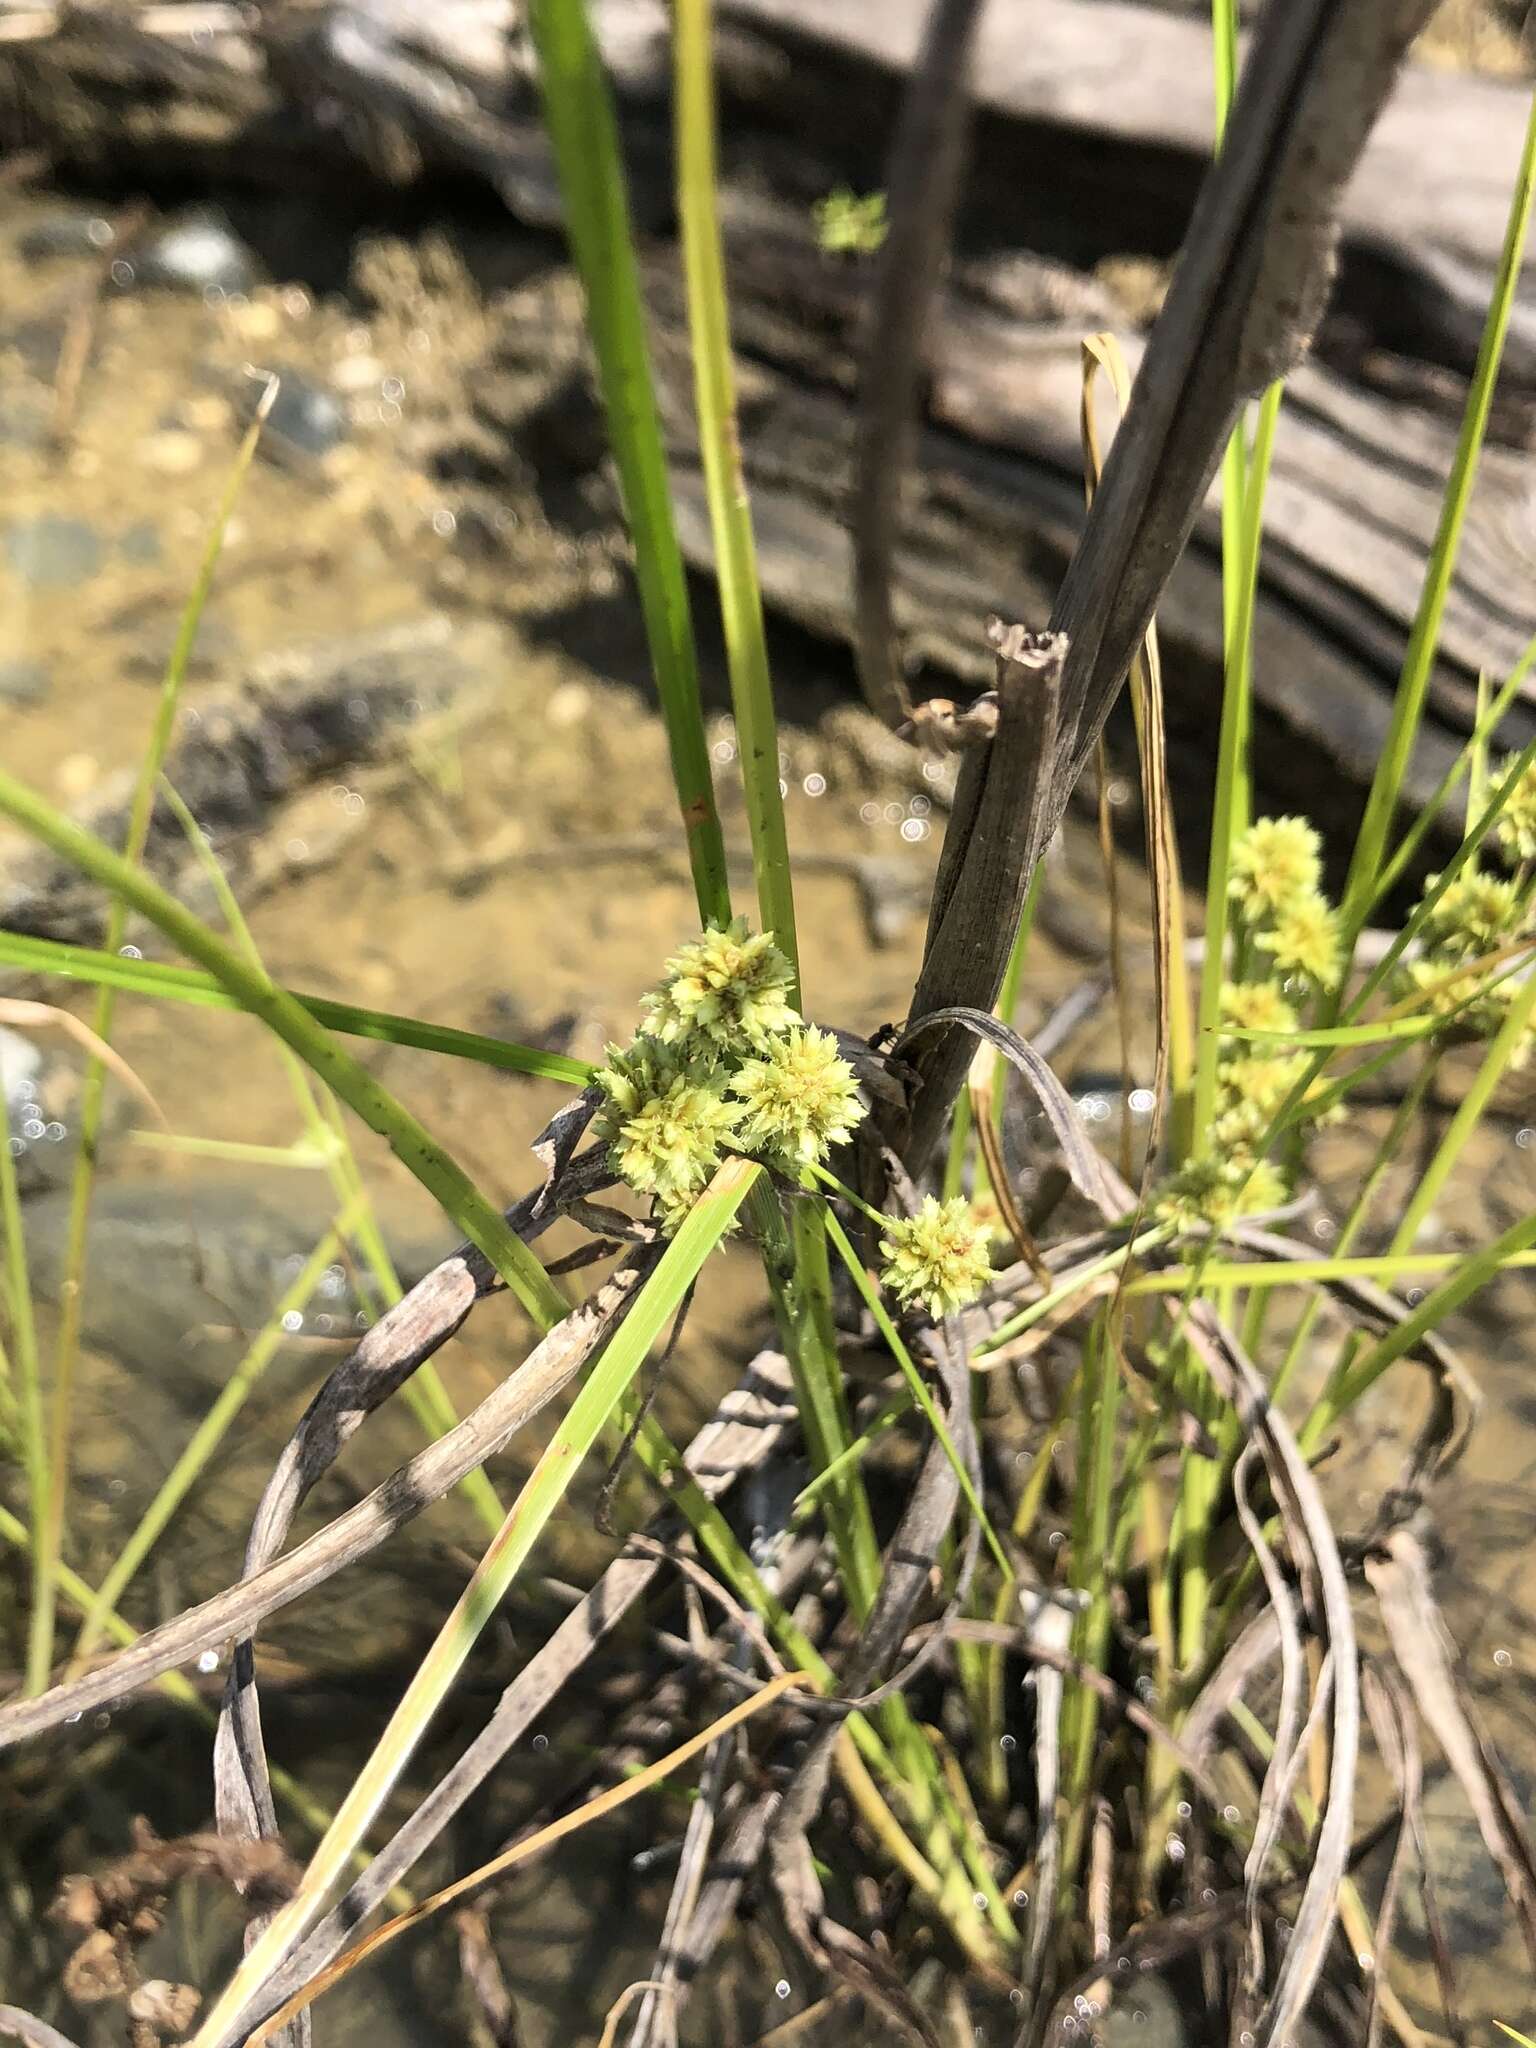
x,y
53,553
24,682
306,421
196,251
66,233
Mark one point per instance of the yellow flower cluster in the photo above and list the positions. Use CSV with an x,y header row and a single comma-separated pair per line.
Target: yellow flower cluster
x,y
1516,827
939,1257
1276,879
1455,974
724,1065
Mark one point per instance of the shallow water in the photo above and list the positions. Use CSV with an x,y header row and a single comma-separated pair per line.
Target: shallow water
x,y
511,866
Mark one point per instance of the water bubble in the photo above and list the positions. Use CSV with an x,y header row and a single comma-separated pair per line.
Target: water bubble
x,y
815,785
869,813
444,522
1141,1101
1230,1815
1176,1850
920,806
979,1901
914,830
324,1324
54,1132
293,1321
1525,1137
356,803
1366,1961
724,751
1015,1996
1184,1809
1503,1659
1008,1744
208,1660
783,787
122,272
361,1320
541,1743
33,1127
291,1265
70,1720
781,1989
1414,1296
17,1146
389,412
1324,1228
392,390
297,849
1208,1896
130,952
894,814
1021,1898
932,770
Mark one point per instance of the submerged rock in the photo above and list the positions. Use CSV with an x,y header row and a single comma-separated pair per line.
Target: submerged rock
x,y
53,553
66,232
24,682
195,251
306,421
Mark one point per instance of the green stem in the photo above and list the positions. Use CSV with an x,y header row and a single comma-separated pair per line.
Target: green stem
x,y
482,1223
583,132
730,516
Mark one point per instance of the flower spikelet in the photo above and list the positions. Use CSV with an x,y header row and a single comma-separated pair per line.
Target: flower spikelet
x,y
1516,826
799,1099
727,990
1477,914
938,1257
1217,1191
1304,938
1275,863
1256,1006
672,1141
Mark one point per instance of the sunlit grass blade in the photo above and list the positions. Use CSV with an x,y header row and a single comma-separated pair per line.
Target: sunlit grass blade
x,y
578,112
1270,1273
211,1430
93,1088
26,1374
1470,1272
1479,739
424,1392
546,1486
162,980
1360,890
741,605
481,1222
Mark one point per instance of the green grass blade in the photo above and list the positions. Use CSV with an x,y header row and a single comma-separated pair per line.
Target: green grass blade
x,y
542,1492
481,1222
1418,665
918,1385
1468,1275
1482,735
578,112
211,1430
93,1090
741,606
162,980
424,1392
30,1412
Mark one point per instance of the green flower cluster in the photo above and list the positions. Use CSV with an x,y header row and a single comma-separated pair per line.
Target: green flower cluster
x,y
723,1065
847,225
1477,916
939,1257
1516,827
1276,876
1287,941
